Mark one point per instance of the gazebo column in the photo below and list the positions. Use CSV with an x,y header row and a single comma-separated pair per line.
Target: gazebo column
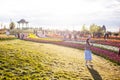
x,y
22,25
18,25
27,24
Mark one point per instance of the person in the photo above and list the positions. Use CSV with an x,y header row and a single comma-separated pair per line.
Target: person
x,y
88,54
18,35
106,35
119,52
22,36
7,32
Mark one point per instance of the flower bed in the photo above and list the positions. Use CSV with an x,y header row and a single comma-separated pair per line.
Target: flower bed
x,y
114,37
105,47
104,53
107,54
111,43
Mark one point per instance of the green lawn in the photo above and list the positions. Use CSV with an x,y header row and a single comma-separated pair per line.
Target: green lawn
x,y
29,60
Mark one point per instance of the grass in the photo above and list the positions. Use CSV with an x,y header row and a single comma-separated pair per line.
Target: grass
x,y
29,60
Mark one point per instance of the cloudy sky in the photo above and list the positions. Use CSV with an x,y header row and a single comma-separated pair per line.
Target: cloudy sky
x,y
62,14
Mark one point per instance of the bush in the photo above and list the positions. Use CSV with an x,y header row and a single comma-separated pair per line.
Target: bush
x,y
31,35
5,37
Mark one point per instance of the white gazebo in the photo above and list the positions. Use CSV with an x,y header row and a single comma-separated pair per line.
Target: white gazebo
x,y
22,23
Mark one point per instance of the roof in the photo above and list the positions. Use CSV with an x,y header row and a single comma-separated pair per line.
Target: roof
x,y
22,21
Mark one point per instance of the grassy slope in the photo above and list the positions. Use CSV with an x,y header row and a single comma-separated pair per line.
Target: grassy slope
x,y
22,59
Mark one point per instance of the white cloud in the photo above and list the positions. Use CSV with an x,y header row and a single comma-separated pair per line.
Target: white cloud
x,y
61,12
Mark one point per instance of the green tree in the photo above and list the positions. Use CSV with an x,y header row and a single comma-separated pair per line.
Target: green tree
x,y
95,29
12,25
116,34
100,29
84,29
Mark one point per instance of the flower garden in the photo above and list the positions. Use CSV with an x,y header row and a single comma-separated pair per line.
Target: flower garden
x,y
108,49
57,59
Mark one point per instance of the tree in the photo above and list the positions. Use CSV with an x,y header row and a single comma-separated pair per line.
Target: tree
x,y
116,34
95,29
84,28
12,25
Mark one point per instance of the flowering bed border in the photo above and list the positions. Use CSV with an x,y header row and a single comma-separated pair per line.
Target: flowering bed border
x,y
111,43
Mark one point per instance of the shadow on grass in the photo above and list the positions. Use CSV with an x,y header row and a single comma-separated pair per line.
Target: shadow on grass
x,y
94,73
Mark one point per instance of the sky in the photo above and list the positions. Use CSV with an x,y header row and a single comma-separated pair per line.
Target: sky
x,y
62,14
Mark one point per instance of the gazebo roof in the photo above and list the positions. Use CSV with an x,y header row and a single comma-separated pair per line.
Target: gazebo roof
x,y
22,21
